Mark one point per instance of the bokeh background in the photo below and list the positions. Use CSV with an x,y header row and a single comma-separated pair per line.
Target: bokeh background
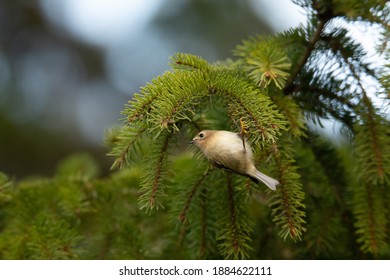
x,y
67,67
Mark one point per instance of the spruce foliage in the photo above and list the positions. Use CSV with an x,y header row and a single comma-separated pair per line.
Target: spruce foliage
x,y
167,201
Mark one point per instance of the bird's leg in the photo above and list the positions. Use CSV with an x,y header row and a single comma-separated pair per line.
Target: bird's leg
x,y
243,131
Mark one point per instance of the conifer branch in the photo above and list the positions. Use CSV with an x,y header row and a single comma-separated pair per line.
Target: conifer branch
x,y
191,195
292,113
372,150
255,93
182,234
376,147
331,163
378,157
264,61
190,62
266,93
232,215
289,87
196,214
124,141
287,203
262,120
151,183
234,230
372,220
373,132
162,156
140,106
204,225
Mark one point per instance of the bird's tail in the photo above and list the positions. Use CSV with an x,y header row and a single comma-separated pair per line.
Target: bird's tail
x,y
270,182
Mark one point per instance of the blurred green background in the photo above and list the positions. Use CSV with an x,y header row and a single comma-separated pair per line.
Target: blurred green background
x,y
68,67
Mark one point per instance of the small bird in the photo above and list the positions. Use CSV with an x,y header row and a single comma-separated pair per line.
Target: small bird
x,y
226,149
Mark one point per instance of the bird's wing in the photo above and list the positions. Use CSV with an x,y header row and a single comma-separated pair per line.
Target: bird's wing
x,y
220,165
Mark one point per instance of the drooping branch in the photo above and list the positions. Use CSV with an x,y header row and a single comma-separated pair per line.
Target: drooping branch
x,y
289,87
151,183
191,195
287,203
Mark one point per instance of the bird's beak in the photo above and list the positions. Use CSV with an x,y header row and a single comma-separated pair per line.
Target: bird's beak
x,y
191,142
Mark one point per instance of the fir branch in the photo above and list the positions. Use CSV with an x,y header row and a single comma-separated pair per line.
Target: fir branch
x,y
139,106
371,219
372,149
191,195
181,61
233,218
199,227
326,156
203,244
323,238
326,93
264,60
152,185
195,208
316,95
124,144
168,99
263,121
181,94
287,202
234,232
311,44
348,52
334,192
292,113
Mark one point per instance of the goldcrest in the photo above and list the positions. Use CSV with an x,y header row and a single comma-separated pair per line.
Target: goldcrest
x,y
226,150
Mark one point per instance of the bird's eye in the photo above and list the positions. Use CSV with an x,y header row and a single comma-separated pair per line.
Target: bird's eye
x,y
201,135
